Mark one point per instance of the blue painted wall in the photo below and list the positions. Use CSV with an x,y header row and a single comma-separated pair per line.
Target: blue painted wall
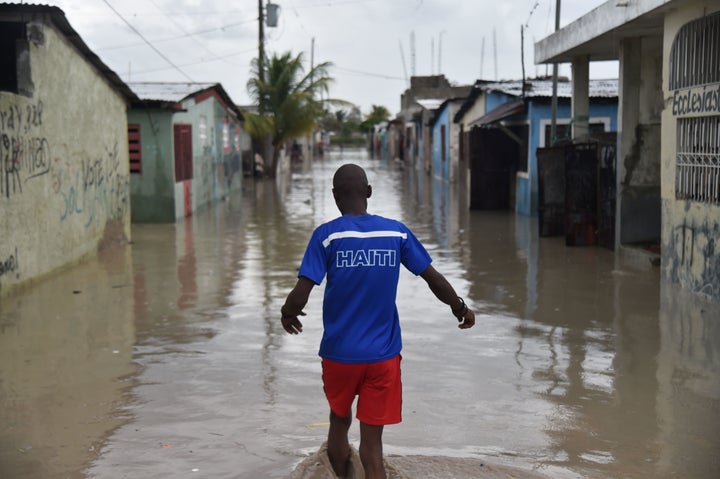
x,y
526,187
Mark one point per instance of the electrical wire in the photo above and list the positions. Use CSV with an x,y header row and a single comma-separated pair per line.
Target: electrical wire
x,y
369,74
177,37
199,62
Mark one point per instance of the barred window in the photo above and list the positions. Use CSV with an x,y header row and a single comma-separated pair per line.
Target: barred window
x,y
695,79
135,148
698,159
695,53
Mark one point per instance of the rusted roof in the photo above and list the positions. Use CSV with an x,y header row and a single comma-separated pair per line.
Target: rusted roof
x,y
27,12
506,110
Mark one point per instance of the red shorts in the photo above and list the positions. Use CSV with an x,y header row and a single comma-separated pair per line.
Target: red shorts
x,y
377,386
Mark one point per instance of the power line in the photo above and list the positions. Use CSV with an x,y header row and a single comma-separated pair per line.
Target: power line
x,y
177,37
199,62
182,29
537,3
377,75
147,41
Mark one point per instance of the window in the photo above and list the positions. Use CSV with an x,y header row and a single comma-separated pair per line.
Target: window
x,y
183,152
562,132
14,59
695,54
694,78
135,148
697,173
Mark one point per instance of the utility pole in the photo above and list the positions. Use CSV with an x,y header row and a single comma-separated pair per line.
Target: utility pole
x,y
261,46
554,103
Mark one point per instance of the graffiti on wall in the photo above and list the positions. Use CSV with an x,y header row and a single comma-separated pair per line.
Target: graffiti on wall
x,y
94,187
10,264
696,245
24,153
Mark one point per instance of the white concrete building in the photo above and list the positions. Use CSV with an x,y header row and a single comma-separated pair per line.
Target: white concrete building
x,y
668,127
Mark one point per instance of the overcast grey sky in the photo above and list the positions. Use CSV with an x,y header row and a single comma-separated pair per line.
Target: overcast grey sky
x,y
368,41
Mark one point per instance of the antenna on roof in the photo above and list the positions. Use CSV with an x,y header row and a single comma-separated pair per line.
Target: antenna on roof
x,y
495,53
402,56
413,71
482,57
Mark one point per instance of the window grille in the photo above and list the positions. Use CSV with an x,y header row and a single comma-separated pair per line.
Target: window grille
x,y
695,54
135,149
698,159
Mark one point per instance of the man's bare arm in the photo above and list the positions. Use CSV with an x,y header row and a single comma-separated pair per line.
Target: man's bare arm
x,y
294,304
444,291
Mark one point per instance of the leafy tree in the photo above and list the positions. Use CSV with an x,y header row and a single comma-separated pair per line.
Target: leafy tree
x,y
377,115
286,99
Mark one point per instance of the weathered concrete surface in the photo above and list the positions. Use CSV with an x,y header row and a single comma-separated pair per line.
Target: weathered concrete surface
x,y
64,171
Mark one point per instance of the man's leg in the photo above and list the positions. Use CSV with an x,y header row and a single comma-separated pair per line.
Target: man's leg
x,y
337,443
371,451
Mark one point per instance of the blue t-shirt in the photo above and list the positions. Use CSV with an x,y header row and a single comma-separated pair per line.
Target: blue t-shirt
x,y
361,256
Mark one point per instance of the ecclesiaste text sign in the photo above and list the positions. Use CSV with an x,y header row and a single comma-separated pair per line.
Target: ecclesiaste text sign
x,y
703,100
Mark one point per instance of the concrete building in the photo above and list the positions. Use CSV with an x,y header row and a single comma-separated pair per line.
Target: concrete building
x,y
446,140
668,171
64,166
187,148
418,105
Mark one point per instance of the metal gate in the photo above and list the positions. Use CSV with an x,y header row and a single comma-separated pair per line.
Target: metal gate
x,y
577,192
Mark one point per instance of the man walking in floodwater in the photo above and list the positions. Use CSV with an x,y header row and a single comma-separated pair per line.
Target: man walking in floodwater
x,y
360,349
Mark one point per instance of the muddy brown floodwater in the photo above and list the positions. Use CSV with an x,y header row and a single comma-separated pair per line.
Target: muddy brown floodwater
x,y
166,358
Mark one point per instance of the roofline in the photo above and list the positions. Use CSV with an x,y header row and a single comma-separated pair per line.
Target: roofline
x,y
609,16
207,88
229,103
59,20
486,87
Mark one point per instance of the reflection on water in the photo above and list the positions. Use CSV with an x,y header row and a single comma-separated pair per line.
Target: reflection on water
x,y
65,368
170,359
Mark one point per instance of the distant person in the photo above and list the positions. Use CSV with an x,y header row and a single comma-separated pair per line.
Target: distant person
x,y
360,349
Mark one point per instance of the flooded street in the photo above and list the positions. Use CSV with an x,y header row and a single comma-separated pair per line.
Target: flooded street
x,y
167,359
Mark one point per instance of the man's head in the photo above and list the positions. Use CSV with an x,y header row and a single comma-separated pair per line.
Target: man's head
x,y
351,189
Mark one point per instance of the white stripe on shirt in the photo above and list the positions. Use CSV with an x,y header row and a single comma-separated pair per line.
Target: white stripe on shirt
x,y
363,234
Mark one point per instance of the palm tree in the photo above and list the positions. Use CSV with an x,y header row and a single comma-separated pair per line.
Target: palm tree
x,y
286,99
378,114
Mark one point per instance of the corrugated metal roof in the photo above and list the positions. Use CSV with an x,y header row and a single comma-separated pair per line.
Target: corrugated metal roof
x,y
174,92
500,113
543,88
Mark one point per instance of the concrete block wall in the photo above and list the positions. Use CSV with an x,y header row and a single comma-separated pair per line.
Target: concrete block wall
x,y
64,167
690,229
